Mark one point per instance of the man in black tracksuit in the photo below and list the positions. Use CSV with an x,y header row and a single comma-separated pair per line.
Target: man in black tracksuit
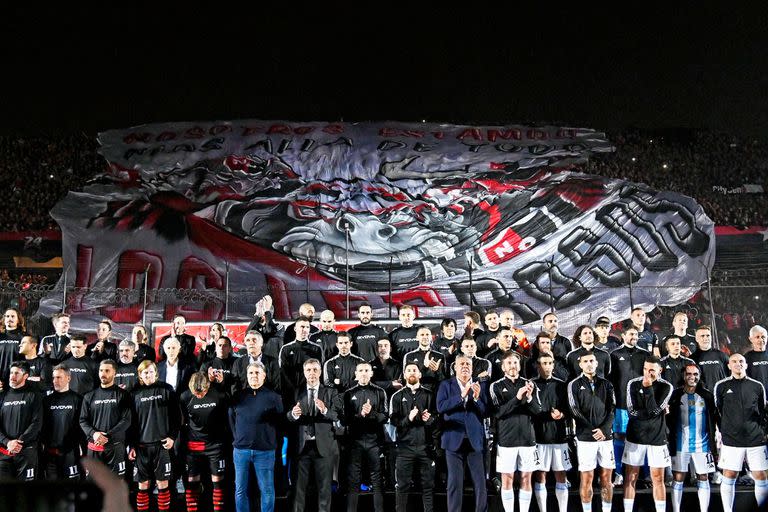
x,y
741,404
515,403
592,403
647,403
366,335
585,335
83,370
21,418
327,335
412,412
757,358
292,358
206,432
339,370
53,347
104,418
39,367
364,414
673,364
403,338
155,428
127,376
61,436
254,345
220,369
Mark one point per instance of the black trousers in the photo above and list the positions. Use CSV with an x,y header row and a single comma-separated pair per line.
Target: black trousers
x,y
310,461
410,459
22,466
364,451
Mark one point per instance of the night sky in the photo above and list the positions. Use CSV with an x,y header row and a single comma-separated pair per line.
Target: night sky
x,y
111,67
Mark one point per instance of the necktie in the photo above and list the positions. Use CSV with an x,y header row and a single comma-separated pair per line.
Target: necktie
x,y
311,426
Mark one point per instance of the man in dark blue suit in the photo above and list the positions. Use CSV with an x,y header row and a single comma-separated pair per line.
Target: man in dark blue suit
x,y
462,404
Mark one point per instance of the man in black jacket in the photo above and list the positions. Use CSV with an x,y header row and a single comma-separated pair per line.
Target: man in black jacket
x,y
740,402
317,407
366,335
61,434
412,412
691,423
592,404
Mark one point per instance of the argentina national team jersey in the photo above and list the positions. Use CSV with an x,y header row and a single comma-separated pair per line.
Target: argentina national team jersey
x,y
693,437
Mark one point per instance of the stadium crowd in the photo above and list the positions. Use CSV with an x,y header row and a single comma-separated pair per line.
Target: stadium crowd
x,y
409,408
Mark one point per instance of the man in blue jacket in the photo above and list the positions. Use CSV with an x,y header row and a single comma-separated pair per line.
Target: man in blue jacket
x,y
463,404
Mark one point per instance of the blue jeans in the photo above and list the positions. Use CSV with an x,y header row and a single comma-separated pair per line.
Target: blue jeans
x,y
263,462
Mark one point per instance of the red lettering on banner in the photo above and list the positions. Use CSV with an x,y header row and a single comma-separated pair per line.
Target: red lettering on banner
x,y
473,133
421,296
130,274
535,134
303,130
334,129
506,246
512,133
279,297
279,128
190,271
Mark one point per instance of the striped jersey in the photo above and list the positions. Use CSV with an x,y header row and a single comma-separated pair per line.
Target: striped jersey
x,y
692,435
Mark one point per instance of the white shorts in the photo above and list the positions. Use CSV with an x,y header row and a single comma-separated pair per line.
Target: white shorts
x,y
518,458
634,455
553,457
595,453
733,457
703,463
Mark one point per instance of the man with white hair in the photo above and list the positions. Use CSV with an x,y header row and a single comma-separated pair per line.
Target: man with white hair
x,y
757,359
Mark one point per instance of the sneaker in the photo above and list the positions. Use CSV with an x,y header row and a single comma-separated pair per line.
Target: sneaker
x,y
618,480
180,487
717,478
745,480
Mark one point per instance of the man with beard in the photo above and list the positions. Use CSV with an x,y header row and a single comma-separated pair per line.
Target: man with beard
x,y
39,368
673,364
61,434
316,410
713,362
326,336
11,332
584,339
220,368
292,357
186,342
543,345
560,344
204,410
127,376
487,340
83,370
412,412
104,348
431,362
156,423
691,422
626,364
515,404
462,404
680,330
388,375
339,370
550,425
21,418
55,347
404,338
366,335
757,360
105,417
254,343
364,415
592,403
647,403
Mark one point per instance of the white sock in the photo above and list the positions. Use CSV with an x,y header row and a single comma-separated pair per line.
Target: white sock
x,y
508,500
540,490
606,506
586,507
561,493
761,493
677,495
727,490
628,505
703,492
524,497
661,506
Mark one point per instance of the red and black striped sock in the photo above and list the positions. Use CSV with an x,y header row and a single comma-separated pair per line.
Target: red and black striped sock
x,y
164,499
142,501
192,495
218,497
